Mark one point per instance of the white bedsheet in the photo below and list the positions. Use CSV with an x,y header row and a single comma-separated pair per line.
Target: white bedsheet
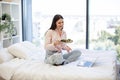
x,y
103,69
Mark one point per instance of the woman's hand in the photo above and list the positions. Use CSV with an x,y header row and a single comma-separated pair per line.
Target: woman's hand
x,y
58,45
57,42
68,49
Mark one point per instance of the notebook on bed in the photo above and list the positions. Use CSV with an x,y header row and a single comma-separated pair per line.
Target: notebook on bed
x,y
87,62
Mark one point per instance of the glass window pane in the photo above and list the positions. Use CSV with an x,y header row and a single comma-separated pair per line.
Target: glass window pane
x,y
73,11
104,22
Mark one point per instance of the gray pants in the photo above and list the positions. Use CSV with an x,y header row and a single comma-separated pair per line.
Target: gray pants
x,y
53,57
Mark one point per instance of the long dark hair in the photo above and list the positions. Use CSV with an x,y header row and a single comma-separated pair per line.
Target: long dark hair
x,y
55,19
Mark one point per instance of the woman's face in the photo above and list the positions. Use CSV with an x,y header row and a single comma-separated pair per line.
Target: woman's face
x,y
59,24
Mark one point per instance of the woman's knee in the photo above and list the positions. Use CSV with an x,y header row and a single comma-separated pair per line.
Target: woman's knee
x,y
55,59
77,52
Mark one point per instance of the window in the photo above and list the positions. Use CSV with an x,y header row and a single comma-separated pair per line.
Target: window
x,y
73,11
104,21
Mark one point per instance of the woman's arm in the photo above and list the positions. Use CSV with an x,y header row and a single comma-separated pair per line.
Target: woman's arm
x,y
49,45
64,45
67,48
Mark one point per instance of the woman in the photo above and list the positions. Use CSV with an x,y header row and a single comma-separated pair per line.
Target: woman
x,y
54,46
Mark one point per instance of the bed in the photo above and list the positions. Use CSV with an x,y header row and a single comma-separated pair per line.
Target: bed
x,y
25,61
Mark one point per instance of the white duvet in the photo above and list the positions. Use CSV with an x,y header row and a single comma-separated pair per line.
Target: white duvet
x,y
103,69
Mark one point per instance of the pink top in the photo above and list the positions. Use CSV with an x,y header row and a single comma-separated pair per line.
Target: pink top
x,y
51,36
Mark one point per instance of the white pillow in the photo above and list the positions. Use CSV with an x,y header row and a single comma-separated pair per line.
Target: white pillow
x,y
25,50
31,46
5,55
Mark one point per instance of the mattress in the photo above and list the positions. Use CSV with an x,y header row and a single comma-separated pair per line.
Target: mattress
x,y
21,69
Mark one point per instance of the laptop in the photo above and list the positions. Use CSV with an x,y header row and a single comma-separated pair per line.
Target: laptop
x,y
87,62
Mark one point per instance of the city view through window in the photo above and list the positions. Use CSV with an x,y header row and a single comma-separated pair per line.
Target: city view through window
x,y
104,22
